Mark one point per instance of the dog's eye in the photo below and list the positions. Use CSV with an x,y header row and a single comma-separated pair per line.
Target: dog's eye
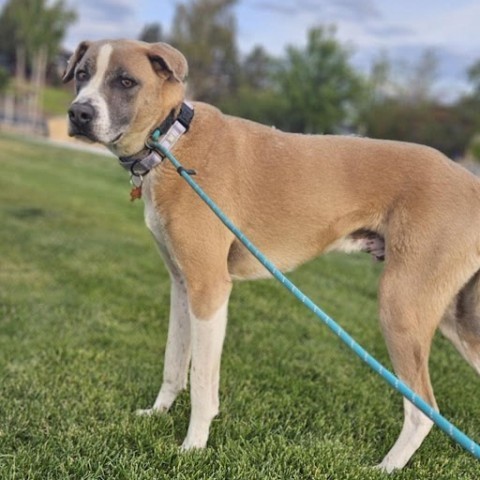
x,y
81,76
127,83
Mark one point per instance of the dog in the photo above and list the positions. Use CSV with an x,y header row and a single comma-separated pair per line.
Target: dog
x,y
296,196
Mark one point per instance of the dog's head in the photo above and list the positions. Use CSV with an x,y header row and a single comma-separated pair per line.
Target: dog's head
x,y
124,90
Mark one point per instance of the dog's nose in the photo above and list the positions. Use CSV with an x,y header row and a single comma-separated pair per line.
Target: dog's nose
x,y
81,114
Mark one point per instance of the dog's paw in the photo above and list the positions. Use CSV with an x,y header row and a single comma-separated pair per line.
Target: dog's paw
x,y
191,444
386,467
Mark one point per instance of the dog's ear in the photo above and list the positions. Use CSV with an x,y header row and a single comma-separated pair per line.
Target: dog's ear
x,y
167,60
74,59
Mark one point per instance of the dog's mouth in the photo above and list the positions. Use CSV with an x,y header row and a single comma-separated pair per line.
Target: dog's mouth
x,y
90,137
82,135
117,138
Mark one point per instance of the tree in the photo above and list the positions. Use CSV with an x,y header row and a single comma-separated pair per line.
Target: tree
x,y
310,90
402,106
470,105
4,79
318,84
12,44
258,69
257,96
151,33
204,30
380,84
473,74
409,82
447,128
261,105
31,29
35,29
419,86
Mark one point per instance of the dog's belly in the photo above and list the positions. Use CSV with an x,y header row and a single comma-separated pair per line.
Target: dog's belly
x,y
246,267
242,265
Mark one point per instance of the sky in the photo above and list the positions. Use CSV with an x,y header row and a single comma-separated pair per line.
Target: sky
x,y
403,29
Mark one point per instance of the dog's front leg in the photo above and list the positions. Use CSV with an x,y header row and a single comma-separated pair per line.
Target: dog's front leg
x,y
177,353
416,427
208,334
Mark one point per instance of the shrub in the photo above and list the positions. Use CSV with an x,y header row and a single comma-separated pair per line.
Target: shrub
x,y
474,149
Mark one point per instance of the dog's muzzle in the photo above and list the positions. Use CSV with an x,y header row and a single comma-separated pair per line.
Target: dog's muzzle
x,y
81,116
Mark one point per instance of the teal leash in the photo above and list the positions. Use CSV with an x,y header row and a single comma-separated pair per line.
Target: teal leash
x,y
461,438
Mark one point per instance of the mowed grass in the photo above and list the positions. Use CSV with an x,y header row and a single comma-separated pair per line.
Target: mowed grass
x,y
83,322
55,100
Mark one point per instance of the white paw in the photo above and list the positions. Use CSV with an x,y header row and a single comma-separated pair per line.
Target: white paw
x,y
193,443
386,467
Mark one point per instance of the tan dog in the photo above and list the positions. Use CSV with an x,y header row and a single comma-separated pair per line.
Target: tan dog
x,y
295,196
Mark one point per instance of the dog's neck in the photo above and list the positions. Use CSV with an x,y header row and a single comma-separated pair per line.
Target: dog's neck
x,y
170,130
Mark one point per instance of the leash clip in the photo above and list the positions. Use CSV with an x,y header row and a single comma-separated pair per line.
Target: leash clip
x,y
188,171
153,138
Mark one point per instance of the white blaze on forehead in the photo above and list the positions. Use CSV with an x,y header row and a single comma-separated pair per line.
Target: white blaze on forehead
x,y
101,66
91,93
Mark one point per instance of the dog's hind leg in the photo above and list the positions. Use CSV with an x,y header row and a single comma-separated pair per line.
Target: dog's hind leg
x,y
177,353
461,322
409,320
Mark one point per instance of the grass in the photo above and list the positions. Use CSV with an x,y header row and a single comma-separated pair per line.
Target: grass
x,y
83,309
55,101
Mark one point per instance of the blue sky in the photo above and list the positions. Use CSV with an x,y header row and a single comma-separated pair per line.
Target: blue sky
x,y
401,28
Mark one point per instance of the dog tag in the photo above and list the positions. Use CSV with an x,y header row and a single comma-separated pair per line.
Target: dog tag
x,y
135,193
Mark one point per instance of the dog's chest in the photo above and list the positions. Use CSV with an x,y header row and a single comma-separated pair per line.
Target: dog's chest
x,y
153,219
155,223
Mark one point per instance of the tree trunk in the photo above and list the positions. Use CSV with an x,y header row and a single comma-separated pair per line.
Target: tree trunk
x,y
21,64
38,81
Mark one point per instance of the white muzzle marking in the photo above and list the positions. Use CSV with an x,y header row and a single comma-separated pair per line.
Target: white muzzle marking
x,y
91,93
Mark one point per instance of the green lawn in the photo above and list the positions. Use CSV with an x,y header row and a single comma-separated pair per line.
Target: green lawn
x,y
55,101
83,309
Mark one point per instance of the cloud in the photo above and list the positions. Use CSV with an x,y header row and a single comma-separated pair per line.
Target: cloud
x,y
390,31
107,10
275,7
103,19
450,74
359,10
457,28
